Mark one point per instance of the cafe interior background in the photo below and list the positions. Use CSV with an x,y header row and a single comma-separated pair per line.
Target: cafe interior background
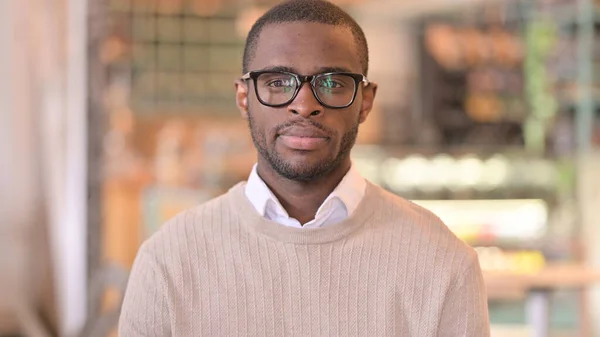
x,y
118,114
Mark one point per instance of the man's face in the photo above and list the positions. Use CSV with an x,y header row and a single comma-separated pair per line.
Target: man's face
x,y
304,140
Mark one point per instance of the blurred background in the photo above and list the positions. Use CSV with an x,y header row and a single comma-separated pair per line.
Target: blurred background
x,y
117,114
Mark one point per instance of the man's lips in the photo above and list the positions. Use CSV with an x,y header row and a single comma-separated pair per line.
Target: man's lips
x,y
303,138
303,131
303,143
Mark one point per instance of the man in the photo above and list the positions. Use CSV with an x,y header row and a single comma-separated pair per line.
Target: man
x,y
306,247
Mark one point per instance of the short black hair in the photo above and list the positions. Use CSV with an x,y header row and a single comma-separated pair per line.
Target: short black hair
x,y
318,11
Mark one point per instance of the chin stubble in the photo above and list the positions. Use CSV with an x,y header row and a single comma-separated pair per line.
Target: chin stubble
x,y
307,172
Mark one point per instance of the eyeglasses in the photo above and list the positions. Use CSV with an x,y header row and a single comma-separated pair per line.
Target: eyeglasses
x,y
279,88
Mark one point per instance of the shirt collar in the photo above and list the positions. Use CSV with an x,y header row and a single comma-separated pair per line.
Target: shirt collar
x,y
259,193
349,191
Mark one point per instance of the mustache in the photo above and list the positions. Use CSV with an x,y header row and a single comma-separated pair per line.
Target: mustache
x,y
305,123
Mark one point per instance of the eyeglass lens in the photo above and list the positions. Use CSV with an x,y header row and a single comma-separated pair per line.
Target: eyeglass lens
x,y
335,90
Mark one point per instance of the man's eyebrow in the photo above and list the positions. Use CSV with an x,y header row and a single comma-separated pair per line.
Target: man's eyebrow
x,y
334,70
321,70
279,68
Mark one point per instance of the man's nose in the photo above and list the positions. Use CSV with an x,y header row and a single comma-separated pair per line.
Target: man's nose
x,y
305,103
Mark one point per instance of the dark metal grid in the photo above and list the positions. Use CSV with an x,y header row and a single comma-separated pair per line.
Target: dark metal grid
x,y
188,68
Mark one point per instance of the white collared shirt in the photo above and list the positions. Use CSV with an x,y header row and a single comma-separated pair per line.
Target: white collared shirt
x,y
339,205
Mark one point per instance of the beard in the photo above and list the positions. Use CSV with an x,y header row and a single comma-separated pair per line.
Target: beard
x,y
302,172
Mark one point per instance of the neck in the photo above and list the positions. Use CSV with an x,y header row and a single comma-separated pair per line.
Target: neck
x,y
301,199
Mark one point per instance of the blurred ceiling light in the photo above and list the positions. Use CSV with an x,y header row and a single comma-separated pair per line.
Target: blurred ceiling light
x,y
495,172
518,172
247,18
368,168
413,171
388,172
442,168
206,7
404,174
503,218
469,171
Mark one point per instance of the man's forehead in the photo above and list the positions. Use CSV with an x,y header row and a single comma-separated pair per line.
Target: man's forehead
x,y
306,46
318,69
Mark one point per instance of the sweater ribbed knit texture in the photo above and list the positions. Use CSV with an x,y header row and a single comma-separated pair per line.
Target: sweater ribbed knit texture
x,y
220,269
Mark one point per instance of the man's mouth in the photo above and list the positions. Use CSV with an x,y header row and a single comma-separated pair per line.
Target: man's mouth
x,y
303,138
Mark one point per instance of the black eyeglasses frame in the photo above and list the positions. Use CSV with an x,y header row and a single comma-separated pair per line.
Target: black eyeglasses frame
x,y
300,80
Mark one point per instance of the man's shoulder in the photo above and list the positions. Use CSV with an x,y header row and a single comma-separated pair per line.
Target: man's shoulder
x,y
190,224
406,218
405,212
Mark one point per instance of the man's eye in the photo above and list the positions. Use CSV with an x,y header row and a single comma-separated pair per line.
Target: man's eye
x,y
279,83
331,84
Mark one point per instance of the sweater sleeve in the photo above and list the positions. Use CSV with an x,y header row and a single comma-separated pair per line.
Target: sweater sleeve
x,y
465,310
145,311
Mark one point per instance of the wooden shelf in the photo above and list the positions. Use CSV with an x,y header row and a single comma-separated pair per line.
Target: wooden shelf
x,y
511,285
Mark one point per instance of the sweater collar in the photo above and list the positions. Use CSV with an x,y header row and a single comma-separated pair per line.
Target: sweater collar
x,y
249,217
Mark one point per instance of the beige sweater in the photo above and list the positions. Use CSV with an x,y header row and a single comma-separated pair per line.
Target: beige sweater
x,y
220,269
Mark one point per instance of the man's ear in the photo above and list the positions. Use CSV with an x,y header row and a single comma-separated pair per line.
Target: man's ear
x,y
368,98
241,97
